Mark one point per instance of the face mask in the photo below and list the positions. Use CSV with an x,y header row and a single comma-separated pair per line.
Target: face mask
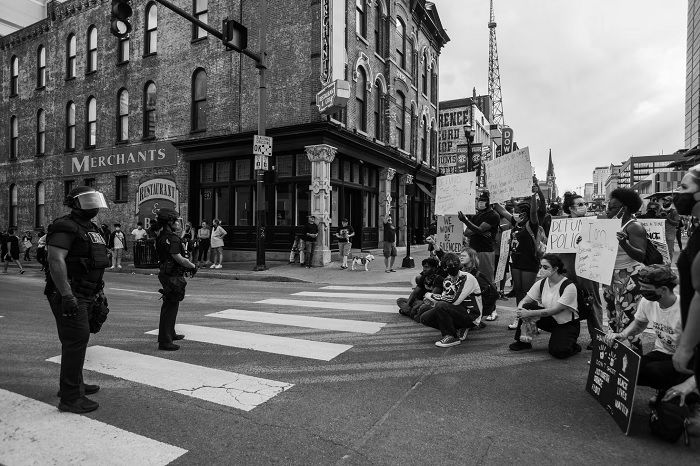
x,y
481,205
517,218
684,202
86,214
650,295
581,211
542,273
453,270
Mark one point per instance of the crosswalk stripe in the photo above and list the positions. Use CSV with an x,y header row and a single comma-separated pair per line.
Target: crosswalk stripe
x,y
217,386
326,294
336,305
396,289
321,323
260,342
134,291
32,432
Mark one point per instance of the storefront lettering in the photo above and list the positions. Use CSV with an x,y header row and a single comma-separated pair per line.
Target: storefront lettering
x,y
107,161
157,188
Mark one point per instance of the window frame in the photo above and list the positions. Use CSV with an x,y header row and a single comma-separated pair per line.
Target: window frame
x,y
121,193
91,50
361,18
148,111
39,207
150,31
401,124
123,49
41,67
14,137
194,113
14,76
40,132
361,100
197,32
424,75
379,113
379,26
71,60
401,52
13,205
89,124
70,126
122,116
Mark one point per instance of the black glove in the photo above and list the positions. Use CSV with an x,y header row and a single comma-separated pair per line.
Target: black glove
x,y
69,306
191,272
98,313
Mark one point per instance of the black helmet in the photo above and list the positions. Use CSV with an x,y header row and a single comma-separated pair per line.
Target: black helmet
x,y
85,198
165,214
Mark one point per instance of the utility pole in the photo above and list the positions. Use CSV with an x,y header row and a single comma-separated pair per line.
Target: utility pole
x,y
262,124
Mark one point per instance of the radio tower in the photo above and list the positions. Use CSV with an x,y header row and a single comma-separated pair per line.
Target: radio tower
x,y
494,74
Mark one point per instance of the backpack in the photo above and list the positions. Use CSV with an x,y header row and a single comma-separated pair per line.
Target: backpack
x,y
540,241
669,421
583,299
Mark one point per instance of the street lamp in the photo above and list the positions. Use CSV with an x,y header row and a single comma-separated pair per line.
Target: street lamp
x,y
410,189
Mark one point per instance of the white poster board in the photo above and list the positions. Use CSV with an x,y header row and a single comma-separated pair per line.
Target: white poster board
x,y
509,176
597,250
455,193
503,255
450,233
564,234
656,232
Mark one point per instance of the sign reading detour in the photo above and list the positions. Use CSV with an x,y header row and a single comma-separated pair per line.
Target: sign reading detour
x,y
509,176
612,379
450,233
136,157
455,193
597,250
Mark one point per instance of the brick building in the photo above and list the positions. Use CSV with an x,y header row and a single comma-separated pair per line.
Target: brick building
x,y
168,115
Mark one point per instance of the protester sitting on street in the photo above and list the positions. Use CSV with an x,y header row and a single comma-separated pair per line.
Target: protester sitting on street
x,y
552,302
659,307
488,292
428,281
457,307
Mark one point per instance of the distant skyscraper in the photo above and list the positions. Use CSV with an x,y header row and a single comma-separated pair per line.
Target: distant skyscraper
x,y
15,14
692,76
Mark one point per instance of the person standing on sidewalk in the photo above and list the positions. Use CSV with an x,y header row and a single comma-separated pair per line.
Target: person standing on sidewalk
x,y
139,233
673,219
204,237
27,243
217,244
11,250
310,234
389,248
117,243
344,236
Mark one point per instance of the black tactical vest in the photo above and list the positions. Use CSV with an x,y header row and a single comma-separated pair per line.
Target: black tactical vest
x,y
87,256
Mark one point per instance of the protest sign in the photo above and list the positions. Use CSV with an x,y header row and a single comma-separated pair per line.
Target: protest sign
x,y
612,378
564,233
656,232
597,250
509,176
503,257
450,233
455,193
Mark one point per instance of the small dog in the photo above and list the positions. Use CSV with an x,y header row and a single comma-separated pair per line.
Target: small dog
x,y
361,261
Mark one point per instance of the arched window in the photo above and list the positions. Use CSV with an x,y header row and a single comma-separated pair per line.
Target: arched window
x,y
401,119
40,197
14,137
424,74
379,112
200,10
70,126
151,39
361,17
91,50
70,56
149,110
433,85
41,67
123,49
433,146
424,141
361,98
379,25
40,132
199,100
91,122
14,76
401,44
123,116
12,213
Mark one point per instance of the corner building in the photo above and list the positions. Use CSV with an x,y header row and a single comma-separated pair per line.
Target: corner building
x,y
167,116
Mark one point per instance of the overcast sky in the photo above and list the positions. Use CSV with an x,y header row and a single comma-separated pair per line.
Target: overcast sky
x,y
594,80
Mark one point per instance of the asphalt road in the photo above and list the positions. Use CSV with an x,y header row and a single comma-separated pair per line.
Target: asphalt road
x,y
389,397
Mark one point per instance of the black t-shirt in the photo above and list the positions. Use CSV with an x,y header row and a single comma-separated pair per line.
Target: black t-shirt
x,y
310,228
344,232
167,244
429,282
389,233
685,262
484,241
522,250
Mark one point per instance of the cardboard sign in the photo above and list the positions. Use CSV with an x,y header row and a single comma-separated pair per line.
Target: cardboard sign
x,y
597,250
455,193
656,232
504,255
509,176
612,379
450,233
564,234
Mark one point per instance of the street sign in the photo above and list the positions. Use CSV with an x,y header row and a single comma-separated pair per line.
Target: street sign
x,y
262,145
333,96
261,162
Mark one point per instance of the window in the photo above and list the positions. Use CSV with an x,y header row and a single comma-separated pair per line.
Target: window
x,y
91,50
379,113
121,188
70,57
200,12
361,18
91,122
14,76
424,142
199,100
68,187
70,126
379,25
283,202
151,39
401,45
123,50
361,97
90,182
424,75
123,116
41,67
433,146
433,85
401,120
40,132
149,110
14,137
12,214
40,197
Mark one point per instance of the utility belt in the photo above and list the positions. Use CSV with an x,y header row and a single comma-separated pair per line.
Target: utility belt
x,y
86,287
172,268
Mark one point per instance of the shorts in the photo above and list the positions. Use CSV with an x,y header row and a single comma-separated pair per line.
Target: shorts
x,y
389,249
344,249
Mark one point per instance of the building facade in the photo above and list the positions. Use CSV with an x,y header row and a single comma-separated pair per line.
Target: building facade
x,y
600,176
167,116
692,76
635,169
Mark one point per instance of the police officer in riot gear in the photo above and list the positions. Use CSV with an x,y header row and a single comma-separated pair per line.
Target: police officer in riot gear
x,y
77,257
173,267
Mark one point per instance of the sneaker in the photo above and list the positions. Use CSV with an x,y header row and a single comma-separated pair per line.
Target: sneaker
x,y
111,268
392,270
492,316
78,406
462,333
387,270
219,266
514,325
510,294
502,296
519,345
448,341
21,272
212,266
119,266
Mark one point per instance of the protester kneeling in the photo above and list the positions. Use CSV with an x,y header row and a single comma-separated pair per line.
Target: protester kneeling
x,y
457,307
552,305
429,281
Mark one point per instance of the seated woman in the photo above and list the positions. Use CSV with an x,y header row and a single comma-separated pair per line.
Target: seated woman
x,y
428,281
556,310
458,306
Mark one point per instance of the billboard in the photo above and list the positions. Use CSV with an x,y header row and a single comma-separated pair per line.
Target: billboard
x,y
451,123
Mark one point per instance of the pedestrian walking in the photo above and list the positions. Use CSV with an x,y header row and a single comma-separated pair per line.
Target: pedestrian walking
x,y
389,244
217,244
204,237
77,256
10,251
27,245
344,235
310,234
117,243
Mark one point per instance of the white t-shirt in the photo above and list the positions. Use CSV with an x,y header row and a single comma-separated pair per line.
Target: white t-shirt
x,y
139,234
666,323
119,240
217,237
550,297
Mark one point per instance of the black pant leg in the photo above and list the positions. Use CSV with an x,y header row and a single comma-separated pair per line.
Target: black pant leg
x,y
170,307
562,341
656,370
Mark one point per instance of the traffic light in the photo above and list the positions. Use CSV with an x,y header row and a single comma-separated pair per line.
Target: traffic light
x,y
121,12
236,34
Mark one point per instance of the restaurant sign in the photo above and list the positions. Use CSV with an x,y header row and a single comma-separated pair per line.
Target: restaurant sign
x,y
136,157
333,96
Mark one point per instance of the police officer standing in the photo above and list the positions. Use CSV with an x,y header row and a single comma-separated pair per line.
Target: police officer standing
x,y
173,266
77,257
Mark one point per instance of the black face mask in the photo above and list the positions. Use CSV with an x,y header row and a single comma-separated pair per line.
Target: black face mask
x,y
650,295
684,202
452,270
86,214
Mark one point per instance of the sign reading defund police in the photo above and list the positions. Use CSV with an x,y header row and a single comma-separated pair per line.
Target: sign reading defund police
x,y
116,159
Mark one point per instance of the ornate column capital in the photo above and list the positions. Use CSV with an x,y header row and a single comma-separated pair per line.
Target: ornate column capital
x,y
406,179
387,174
321,153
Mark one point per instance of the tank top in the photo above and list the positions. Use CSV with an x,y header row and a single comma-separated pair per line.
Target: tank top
x,y
623,260
685,262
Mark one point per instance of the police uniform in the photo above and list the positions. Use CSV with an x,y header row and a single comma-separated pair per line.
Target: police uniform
x,y
172,279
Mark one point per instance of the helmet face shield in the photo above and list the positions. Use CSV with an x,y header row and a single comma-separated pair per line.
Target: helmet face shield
x,y
90,200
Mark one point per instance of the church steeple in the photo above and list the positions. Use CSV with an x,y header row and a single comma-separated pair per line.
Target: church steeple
x,y
550,167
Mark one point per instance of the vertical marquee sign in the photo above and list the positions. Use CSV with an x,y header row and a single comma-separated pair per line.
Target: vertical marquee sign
x,y
325,42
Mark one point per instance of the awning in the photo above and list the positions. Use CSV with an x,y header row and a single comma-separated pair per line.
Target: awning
x,y
424,189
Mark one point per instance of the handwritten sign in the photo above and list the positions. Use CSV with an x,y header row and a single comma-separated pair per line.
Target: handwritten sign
x,y
656,232
564,234
454,193
612,379
509,176
450,233
503,255
597,250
